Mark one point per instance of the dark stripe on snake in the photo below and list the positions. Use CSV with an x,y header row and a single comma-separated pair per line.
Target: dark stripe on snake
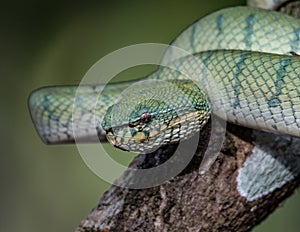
x,y
158,73
237,85
207,57
192,38
280,74
220,20
180,68
46,102
250,20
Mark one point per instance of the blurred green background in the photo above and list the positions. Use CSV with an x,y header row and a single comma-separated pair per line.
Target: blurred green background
x,y
49,188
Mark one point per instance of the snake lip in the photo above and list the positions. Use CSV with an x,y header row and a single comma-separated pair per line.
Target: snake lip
x,y
111,138
121,148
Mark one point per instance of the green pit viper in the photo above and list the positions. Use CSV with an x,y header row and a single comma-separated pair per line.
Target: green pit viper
x,y
252,55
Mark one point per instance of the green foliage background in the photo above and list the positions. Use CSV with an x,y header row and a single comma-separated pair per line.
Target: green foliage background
x,y
49,188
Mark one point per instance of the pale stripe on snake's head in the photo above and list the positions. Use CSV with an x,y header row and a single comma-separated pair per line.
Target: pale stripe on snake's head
x,y
145,119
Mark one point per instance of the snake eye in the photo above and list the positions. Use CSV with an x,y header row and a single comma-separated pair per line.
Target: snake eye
x,y
145,117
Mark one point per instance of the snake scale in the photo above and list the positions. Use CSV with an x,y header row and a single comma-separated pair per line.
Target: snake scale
x,y
252,55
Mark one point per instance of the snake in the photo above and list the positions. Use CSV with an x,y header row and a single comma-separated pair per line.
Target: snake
x,y
248,54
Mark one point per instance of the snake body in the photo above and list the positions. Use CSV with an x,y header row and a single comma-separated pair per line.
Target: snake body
x,y
251,53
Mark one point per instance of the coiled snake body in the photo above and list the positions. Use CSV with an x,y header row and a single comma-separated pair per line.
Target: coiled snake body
x,y
250,53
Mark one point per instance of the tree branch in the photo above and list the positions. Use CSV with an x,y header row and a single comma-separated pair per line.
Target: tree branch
x,y
255,171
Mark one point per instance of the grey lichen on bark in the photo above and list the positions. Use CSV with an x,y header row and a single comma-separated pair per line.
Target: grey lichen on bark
x,y
218,200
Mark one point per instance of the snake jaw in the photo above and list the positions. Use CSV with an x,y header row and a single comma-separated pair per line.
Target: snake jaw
x,y
112,140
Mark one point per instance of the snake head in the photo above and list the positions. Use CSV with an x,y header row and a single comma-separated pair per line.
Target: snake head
x,y
153,113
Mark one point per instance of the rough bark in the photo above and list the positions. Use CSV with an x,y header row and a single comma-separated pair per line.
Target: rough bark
x,y
202,202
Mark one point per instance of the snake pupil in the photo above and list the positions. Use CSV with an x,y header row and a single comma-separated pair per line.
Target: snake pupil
x,y
145,117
